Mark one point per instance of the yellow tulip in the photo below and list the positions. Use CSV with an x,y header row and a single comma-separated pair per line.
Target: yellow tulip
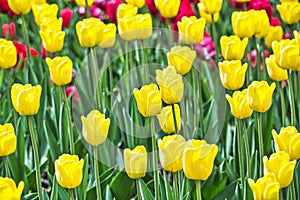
x,y
288,140
170,84
191,30
38,2
108,37
89,32
9,190
279,163
242,1
232,47
243,24
212,6
283,1
126,10
52,40
239,104
8,140
232,74
95,127
181,58
166,119
20,6
68,170
83,2
275,34
137,3
8,54
148,100
275,72
167,8
265,188
40,12
297,38
53,24
287,54
135,162
260,95
262,23
60,69
207,16
26,98
289,12
198,159
170,152
136,27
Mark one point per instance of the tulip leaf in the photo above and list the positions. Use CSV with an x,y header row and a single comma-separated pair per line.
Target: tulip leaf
x,y
53,145
30,196
83,186
108,194
168,188
214,184
54,192
227,192
63,129
121,184
45,196
145,192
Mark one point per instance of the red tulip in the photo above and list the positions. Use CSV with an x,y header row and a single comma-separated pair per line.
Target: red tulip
x,y
4,8
22,52
66,14
185,9
274,21
235,5
261,5
9,30
151,7
111,9
206,49
72,91
100,4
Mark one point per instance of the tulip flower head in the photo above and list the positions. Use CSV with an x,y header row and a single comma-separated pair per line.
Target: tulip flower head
x,y
8,139
239,104
20,6
262,24
135,162
191,30
198,159
243,24
60,69
26,98
108,37
260,95
288,140
9,30
232,74
95,127
167,8
148,100
66,14
275,72
212,6
170,152
52,40
275,34
43,11
166,119
279,163
137,3
8,54
83,2
181,58
265,188
232,47
9,190
126,10
170,84
207,16
289,12
68,170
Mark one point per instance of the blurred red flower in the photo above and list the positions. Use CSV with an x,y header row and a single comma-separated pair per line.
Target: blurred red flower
x,y
151,7
111,9
4,8
66,14
261,5
22,52
72,91
9,30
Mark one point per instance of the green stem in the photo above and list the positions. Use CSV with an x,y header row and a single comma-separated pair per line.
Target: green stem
x,y
87,8
36,158
257,58
283,111
198,189
293,190
240,153
26,38
97,176
155,160
9,82
214,37
174,118
6,167
138,189
292,101
175,185
110,73
95,77
247,148
71,191
260,143
71,136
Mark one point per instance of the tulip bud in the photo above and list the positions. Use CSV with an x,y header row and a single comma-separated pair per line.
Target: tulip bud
x,y
243,24
40,12
275,34
239,104
198,159
191,30
8,139
95,127
207,16
135,162
279,163
170,152
148,100
288,140
9,30
232,74
20,6
275,72
232,47
60,69
167,8
166,119
289,12
26,98
137,3
9,190
83,2
286,54
8,54
68,170
181,58
265,188
66,14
